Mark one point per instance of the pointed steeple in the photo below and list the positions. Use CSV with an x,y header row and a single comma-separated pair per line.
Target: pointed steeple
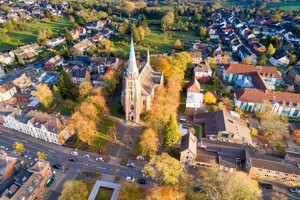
x,y
132,68
148,56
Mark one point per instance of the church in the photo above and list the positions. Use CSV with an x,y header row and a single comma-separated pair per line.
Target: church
x,y
138,87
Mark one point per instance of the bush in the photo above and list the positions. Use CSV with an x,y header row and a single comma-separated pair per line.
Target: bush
x,y
254,131
123,163
106,160
278,145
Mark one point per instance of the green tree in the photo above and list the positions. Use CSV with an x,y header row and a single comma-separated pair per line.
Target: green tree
x,y
20,60
129,191
65,86
171,132
50,34
262,61
74,190
69,38
19,148
165,169
71,19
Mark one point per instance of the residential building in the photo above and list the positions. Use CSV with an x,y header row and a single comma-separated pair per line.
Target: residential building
x,y
281,102
75,34
202,71
222,57
82,31
7,91
83,45
33,48
188,149
261,77
138,87
244,52
53,63
193,86
36,124
56,42
294,75
79,76
2,71
194,103
23,83
279,58
7,164
6,59
196,56
28,57
224,126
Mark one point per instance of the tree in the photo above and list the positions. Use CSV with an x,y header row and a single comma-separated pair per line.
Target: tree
x,y
293,60
85,90
277,196
202,31
49,34
112,132
276,18
165,37
20,60
171,132
253,131
247,60
296,135
77,52
167,21
41,155
165,192
197,17
228,103
149,142
220,185
212,62
129,191
65,85
209,98
76,190
128,7
19,148
262,61
43,94
164,169
71,19
162,65
69,38
177,44
270,51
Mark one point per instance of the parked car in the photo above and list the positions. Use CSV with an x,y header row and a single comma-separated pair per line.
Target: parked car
x,y
4,148
27,156
36,159
73,159
132,165
198,189
142,181
100,159
294,190
267,186
86,156
183,120
130,179
56,166
74,153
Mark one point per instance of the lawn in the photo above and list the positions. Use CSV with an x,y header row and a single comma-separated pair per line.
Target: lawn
x,y
137,149
58,27
183,97
181,108
101,139
154,41
66,107
104,193
286,6
116,109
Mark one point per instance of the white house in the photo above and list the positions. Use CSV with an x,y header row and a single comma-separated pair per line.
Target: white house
x,y
56,42
194,103
279,58
7,91
6,59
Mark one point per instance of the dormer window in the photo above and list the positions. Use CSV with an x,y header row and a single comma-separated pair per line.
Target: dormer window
x,y
283,103
297,104
263,74
273,75
290,103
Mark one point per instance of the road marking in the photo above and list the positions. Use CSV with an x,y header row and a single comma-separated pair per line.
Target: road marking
x,y
101,167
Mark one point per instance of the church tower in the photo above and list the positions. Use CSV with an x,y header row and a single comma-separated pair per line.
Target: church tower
x,y
131,93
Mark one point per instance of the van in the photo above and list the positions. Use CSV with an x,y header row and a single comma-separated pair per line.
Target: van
x,y
182,120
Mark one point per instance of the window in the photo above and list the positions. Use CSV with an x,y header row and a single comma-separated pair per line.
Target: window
x,y
131,107
266,176
187,157
259,170
286,175
39,187
295,176
283,179
274,177
221,167
269,171
33,194
292,180
277,173
226,169
257,174
231,170
48,170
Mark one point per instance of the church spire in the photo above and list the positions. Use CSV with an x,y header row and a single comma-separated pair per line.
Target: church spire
x,y
132,68
148,56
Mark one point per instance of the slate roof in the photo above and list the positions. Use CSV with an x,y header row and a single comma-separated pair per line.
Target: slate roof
x,y
6,87
279,53
81,73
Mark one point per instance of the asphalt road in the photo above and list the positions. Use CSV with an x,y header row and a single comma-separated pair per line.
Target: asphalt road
x,y
57,155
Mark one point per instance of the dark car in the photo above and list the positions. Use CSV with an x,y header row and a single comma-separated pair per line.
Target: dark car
x,y
267,186
198,189
72,159
142,181
56,166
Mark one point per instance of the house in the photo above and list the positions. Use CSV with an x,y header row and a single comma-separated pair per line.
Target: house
x,y
224,126
279,58
53,63
37,124
222,57
28,57
294,75
83,45
261,77
97,37
56,42
249,99
75,34
194,103
82,31
252,41
244,52
2,71
293,38
188,149
196,56
6,59
23,83
79,76
259,47
202,71
33,48
7,164
288,45
7,91
193,86
30,183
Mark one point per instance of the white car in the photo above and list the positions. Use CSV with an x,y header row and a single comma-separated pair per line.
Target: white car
x,y
27,156
130,179
4,148
130,165
74,153
86,156
100,159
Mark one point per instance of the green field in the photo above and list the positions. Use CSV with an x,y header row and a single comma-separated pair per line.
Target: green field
x,y
154,41
286,6
58,27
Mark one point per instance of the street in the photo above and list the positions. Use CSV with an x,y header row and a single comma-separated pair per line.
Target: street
x,y
57,155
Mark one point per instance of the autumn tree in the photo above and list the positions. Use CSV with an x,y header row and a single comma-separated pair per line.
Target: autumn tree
x,y
209,98
112,132
202,31
177,44
85,90
228,103
270,51
129,191
167,21
278,196
247,60
165,192
212,62
128,7
171,132
43,94
296,135
162,65
71,19
19,148
74,190
157,170
41,155
149,142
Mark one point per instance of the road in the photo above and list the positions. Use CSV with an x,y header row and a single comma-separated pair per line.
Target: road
x,y
58,154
